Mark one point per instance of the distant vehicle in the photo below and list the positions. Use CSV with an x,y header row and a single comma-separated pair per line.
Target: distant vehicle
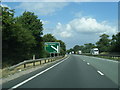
x,y
94,51
72,52
79,52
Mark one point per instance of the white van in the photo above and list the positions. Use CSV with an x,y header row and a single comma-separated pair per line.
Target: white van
x,y
94,51
79,52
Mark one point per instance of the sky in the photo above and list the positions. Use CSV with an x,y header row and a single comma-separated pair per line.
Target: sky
x,y
75,23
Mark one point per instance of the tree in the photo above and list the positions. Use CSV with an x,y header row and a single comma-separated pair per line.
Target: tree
x,y
49,38
88,47
17,41
84,48
118,42
0,19
104,43
70,50
76,48
112,43
31,22
22,37
115,43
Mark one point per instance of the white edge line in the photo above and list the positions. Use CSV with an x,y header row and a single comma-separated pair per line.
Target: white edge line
x,y
100,72
36,75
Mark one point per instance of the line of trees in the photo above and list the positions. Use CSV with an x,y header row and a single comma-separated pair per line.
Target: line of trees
x,y
104,44
22,37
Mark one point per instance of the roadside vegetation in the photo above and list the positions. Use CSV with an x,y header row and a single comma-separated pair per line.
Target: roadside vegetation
x,y
22,37
6,72
106,56
108,48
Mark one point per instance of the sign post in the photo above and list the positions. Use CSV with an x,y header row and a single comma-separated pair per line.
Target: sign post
x,y
33,57
52,47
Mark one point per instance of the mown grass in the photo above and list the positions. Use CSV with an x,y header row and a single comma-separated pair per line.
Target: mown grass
x,y
106,57
111,58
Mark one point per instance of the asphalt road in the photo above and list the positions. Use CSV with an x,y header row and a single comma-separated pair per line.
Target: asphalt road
x,y
72,72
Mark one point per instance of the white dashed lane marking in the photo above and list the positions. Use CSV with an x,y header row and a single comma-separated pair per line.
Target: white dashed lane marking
x,y
100,72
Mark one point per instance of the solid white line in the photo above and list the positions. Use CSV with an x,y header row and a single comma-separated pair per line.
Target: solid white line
x,y
16,86
88,63
100,72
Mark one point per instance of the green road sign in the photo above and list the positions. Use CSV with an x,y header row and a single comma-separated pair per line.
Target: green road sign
x,y
52,47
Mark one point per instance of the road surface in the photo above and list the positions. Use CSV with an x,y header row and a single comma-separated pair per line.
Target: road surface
x,y
72,72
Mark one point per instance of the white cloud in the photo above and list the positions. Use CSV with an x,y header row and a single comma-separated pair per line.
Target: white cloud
x,y
44,22
63,30
65,34
84,26
46,8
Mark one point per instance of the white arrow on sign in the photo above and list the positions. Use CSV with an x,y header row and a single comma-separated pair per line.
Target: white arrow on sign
x,y
57,49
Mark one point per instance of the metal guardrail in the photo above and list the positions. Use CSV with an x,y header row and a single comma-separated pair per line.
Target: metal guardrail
x,y
33,61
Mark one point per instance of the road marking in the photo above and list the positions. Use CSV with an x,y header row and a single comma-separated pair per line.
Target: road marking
x,y
88,63
84,60
100,72
55,48
25,81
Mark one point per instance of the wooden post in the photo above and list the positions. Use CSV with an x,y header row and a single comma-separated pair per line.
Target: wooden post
x,y
24,65
40,62
45,61
33,63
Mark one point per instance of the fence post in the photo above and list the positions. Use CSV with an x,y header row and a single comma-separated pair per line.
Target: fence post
x,y
45,60
24,65
33,63
40,62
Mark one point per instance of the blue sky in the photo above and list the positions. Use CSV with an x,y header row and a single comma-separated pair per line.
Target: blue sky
x,y
76,23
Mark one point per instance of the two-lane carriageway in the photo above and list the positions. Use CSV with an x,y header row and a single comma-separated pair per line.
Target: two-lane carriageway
x,y
72,72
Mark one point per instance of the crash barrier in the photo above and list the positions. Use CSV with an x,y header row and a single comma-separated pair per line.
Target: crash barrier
x,y
41,61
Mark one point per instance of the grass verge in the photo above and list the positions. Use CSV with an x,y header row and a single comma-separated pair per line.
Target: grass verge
x,y
4,73
106,57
